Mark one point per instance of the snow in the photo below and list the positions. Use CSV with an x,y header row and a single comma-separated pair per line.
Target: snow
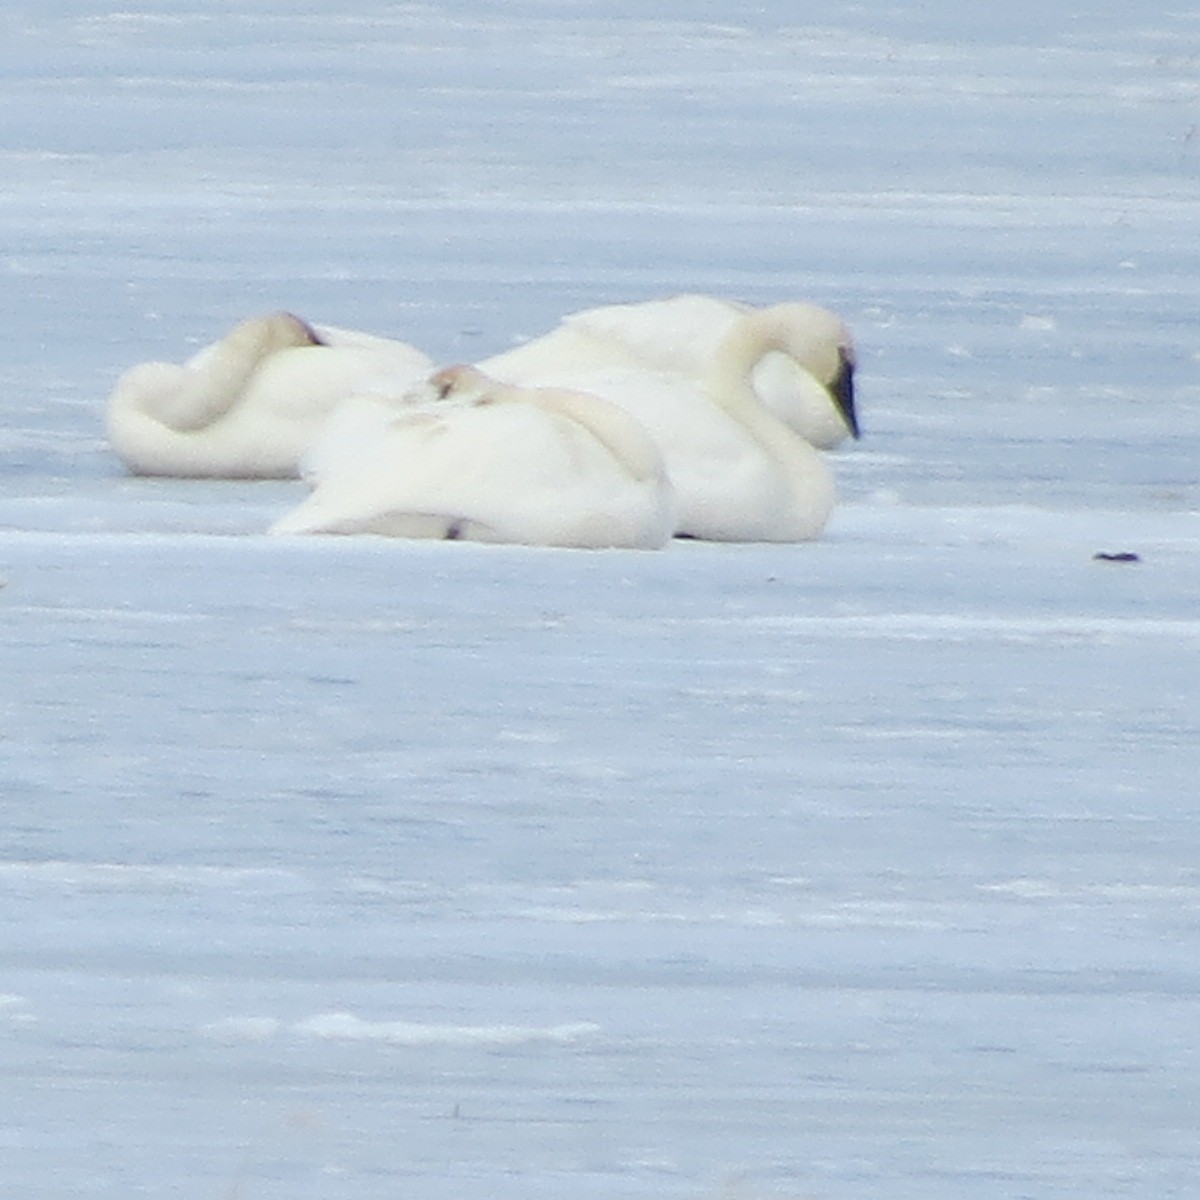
x,y
864,870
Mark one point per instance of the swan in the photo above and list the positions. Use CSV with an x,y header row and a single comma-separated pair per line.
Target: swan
x,y
249,405
470,458
738,471
678,335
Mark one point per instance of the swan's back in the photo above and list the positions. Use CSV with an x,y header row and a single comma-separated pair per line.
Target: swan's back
x,y
483,469
675,334
401,358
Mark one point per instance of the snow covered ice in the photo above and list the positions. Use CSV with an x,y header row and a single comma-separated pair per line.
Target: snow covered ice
x,y
865,870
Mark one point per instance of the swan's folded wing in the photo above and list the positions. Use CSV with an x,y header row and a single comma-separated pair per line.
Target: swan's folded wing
x,y
404,355
676,334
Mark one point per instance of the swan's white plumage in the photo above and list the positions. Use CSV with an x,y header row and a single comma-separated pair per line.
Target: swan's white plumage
x,y
487,462
678,336
250,404
738,471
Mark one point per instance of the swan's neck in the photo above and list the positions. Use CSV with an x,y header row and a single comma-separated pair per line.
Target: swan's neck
x,y
730,386
814,338
731,372
213,382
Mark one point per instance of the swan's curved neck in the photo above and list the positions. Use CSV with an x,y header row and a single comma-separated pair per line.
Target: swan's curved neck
x,y
814,338
213,382
730,382
730,386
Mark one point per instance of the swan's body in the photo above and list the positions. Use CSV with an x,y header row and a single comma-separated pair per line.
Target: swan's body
x,y
739,472
488,462
678,336
249,405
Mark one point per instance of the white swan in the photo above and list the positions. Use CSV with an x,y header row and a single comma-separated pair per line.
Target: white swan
x,y
739,473
249,405
488,462
679,335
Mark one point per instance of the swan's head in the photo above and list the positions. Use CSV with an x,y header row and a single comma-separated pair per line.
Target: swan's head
x,y
303,331
275,331
820,342
461,382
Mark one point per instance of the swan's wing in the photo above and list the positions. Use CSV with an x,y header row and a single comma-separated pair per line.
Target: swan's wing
x,y
676,334
403,354
566,348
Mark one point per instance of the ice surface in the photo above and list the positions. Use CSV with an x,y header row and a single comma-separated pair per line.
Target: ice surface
x,y
867,870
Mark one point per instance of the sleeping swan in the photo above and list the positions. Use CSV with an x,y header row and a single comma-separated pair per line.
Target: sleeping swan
x,y
474,459
678,336
249,405
739,473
